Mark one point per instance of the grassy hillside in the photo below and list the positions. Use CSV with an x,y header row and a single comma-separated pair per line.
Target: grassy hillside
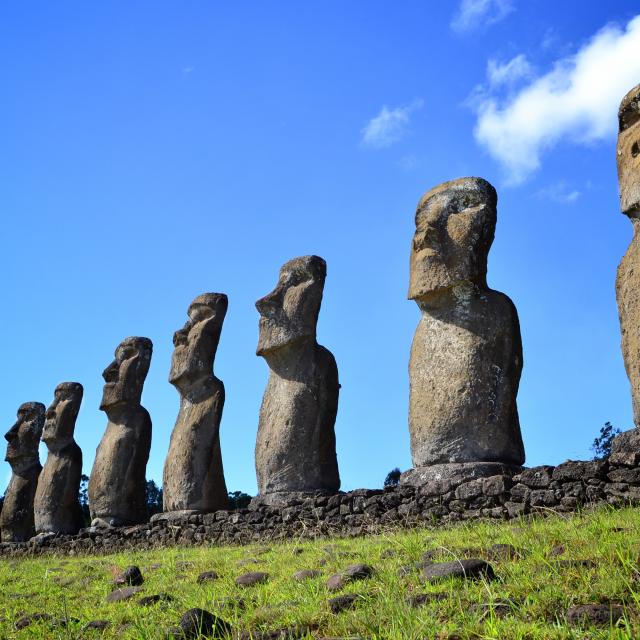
x,y
555,563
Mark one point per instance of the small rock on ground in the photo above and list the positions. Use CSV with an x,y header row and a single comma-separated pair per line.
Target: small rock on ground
x,y
306,574
156,598
421,599
251,578
470,569
344,602
25,621
354,572
594,614
131,576
97,625
197,623
120,595
207,576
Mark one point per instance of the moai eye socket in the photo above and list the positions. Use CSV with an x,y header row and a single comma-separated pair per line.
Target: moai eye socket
x,y
635,150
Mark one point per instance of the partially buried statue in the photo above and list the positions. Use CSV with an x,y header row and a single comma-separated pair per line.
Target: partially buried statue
x,y
296,445
117,483
16,519
193,478
56,506
466,356
628,278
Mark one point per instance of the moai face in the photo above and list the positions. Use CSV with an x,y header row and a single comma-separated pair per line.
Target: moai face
x,y
60,419
629,153
290,312
455,225
196,343
125,376
24,437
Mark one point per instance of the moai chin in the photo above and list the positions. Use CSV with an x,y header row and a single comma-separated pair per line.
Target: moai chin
x,y
296,445
117,482
16,518
193,478
56,506
628,277
466,355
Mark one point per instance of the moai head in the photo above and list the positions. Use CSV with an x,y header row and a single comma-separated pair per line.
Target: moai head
x,y
196,343
629,153
60,419
125,376
455,225
290,312
24,437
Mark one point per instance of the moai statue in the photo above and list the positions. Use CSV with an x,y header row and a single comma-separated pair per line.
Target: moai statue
x,y
193,478
56,506
296,445
16,518
628,278
466,355
117,483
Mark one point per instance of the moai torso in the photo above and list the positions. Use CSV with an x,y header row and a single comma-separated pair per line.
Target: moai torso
x,y
628,277
57,506
16,518
193,478
295,446
117,485
466,355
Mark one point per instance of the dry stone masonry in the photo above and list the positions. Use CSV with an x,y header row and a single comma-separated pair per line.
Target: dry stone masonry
x,y
57,506
16,519
466,355
296,445
117,482
628,278
193,478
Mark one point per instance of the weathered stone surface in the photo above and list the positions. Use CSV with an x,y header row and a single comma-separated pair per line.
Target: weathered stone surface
x,y
16,518
438,479
199,623
207,576
126,593
251,578
56,505
628,280
625,449
131,576
471,569
117,482
594,614
353,572
306,574
466,356
193,477
343,602
296,446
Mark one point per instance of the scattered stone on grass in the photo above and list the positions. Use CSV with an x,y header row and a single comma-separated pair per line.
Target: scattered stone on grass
x,y
246,561
558,550
251,578
582,563
285,633
131,576
470,569
96,625
231,603
126,593
421,599
503,552
306,574
497,609
207,576
162,598
388,553
344,602
197,623
25,621
354,572
594,614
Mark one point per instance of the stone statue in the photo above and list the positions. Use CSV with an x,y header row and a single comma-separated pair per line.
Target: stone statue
x,y
466,355
117,482
16,518
628,278
193,478
296,445
56,505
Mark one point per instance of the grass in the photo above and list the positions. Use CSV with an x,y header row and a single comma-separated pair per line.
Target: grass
x,y
527,601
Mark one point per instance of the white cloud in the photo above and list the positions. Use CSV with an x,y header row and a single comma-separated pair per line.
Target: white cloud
x,y
389,126
506,74
577,100
559,192
476,14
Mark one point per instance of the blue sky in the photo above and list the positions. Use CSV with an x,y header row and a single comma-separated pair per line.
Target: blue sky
x,y
152,151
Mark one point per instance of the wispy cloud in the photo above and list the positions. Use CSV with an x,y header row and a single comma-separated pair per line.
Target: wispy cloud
x,y
389,126
559,192
507,73
478,14
187,70
577,100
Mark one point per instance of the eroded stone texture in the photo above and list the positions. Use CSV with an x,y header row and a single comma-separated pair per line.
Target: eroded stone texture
x,y
16,518
628,280
56,507
193,478
466,356
117,482
296,446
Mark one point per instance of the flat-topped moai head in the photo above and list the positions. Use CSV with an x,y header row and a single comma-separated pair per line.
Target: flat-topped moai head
x,y
124,377
24,437
455,226
196,343
60,419
289,314
629,153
